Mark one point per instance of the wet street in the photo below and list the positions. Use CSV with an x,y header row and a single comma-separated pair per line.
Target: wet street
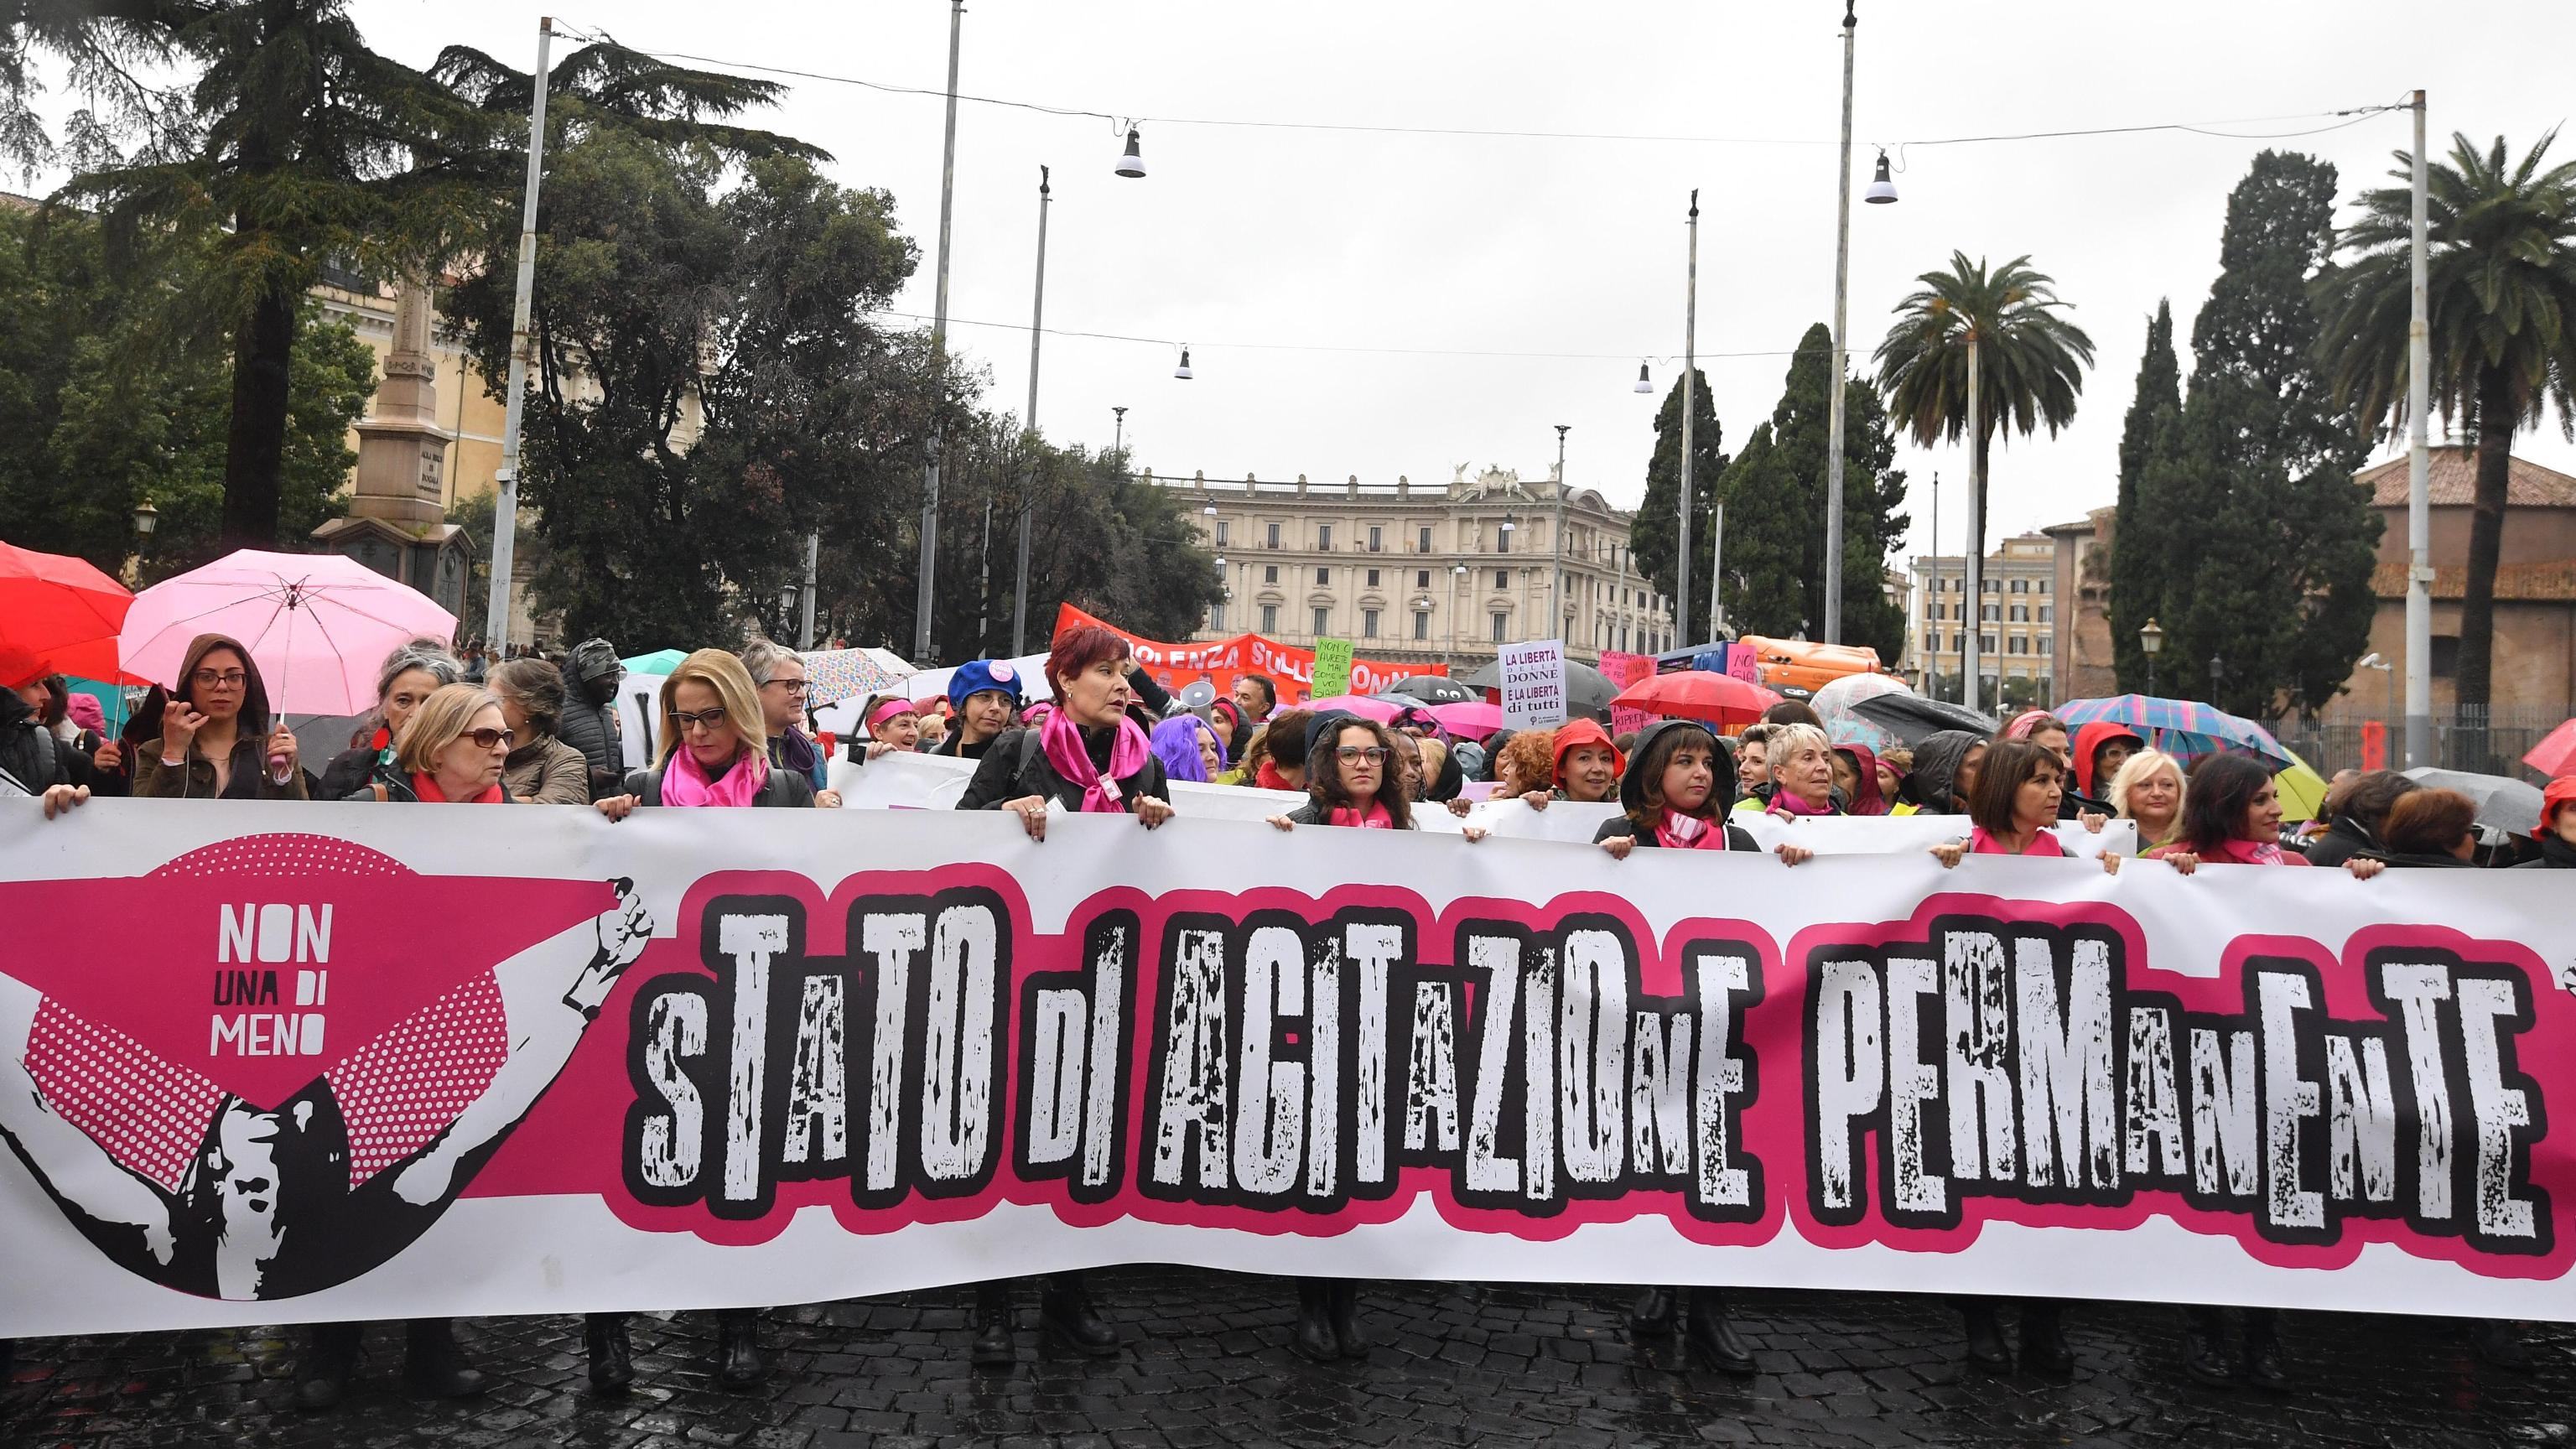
x,y
1207,1364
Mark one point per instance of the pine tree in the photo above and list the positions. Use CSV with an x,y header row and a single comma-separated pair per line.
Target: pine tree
x,y
1775,511
1652,535
2139,536
2267,543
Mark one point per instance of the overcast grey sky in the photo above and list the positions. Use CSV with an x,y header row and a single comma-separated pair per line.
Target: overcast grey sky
x,y
1303,238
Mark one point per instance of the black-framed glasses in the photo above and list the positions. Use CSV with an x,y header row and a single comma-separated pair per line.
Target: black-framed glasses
x,y
210,679
1353,754
712,719
485,739
792,686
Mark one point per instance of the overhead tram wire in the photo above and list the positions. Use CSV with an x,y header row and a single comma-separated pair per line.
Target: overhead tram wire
x,y
1330,347
2340,118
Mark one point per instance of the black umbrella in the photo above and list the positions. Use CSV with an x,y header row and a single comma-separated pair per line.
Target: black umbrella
x,y
1587,690
1432,689
1911,717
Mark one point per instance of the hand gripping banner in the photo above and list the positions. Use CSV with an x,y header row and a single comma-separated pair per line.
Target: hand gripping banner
x,y
312,1061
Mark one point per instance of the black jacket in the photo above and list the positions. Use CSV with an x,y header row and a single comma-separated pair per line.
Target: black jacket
x,y
2415,860
592,729
1632,793
2555,854
785,790
349,772
1316,812
1935,780
33,755
2343,840
1016,766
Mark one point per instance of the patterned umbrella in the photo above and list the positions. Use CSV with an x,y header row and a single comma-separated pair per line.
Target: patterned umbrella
x,y
1433,689
2184,728
837,674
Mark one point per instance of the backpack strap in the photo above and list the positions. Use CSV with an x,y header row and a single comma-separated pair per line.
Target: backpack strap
x,y
1029,747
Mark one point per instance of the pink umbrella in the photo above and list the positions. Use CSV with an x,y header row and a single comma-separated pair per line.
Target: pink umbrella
x,y
2556,755
1381,710
1471,719
317,624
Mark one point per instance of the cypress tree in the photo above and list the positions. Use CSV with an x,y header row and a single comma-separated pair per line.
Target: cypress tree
x,y
2138,545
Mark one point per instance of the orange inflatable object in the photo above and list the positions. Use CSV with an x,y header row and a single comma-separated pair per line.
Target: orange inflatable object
x,y
1808,666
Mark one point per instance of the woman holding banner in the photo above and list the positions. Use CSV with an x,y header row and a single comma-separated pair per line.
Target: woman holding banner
x,y
1675,795
2148,791
1802,773
894,727
1088,758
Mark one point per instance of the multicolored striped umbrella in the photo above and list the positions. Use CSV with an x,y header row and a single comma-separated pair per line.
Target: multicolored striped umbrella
x,y
2184,728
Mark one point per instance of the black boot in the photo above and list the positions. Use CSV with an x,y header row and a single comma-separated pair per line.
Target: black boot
x,y
2499,1344
2204,1346
612,1355
2044,1349
1986,1347
2264,1367
1066,1319
1346,1318
1314,1337
1713,1339
739,1361
330,1360
434,1365
1654,1311
992,1321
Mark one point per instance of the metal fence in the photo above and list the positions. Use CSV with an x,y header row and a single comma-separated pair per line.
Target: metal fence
x,y
2488,741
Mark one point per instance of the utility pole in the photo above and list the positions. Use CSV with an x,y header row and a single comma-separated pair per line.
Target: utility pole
x,y
2419,516
1834,405
1556,549
505,501
926,594
805,625
1690,377
1976,551
1932,672
1029,427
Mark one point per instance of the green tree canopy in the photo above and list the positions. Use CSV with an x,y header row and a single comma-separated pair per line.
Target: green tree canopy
x,y
2502,311
1653,534
2141,545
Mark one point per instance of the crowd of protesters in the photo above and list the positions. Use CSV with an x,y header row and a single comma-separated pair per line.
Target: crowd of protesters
x,y
1104,737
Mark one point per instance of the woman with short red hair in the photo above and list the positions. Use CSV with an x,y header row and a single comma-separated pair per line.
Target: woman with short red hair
x,y
1087,757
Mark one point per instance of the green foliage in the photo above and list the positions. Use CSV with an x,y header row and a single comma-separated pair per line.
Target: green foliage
x,y
98,412
1655,531
1775,511
2141,542
2501,307
2261,541
2030,361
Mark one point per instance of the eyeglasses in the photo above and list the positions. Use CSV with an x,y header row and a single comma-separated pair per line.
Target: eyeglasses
x,y
792,686
1353,754
228,679
708,719
487,739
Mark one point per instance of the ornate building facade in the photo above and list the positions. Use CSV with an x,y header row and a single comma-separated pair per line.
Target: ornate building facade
x,y
1432,573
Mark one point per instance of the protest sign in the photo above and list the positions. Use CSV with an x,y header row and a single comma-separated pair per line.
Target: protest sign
x,y
349,1062
1332,669
1175,666
1624,670
1533,676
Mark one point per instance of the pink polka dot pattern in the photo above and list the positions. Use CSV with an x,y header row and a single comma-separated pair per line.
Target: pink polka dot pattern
x,y
400,1091
151,1116
283,856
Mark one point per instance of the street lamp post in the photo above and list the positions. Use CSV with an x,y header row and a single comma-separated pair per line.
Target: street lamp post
x,y
1690,380
1457,576
1556,542
2151,642
1834,402
925,595
2217,676
505,496
1118,443
1029,426
2419,515
2374,660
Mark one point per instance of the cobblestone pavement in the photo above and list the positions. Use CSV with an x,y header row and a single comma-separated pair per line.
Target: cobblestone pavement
x,y
1208,1365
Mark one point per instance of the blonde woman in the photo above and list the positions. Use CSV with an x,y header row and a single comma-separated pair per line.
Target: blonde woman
x,y
1802,773
715,745
2149,790
450,750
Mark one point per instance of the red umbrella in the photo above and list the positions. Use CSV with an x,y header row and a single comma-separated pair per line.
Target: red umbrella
x,y
1698,694
63,611
2556,755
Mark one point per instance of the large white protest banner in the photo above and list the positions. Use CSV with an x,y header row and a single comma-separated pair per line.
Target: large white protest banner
x,y
342,1061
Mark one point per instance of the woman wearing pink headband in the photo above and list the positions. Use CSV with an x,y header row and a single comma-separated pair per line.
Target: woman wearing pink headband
x,y
893,724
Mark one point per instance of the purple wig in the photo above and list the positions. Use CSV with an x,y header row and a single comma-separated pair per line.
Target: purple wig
x,y
1176,744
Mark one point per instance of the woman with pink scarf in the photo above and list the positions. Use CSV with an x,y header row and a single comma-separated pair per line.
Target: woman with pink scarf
x,y
715,751
1086,758
1802,773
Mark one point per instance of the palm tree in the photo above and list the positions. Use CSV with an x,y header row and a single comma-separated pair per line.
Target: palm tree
x,y
2502,308
2030,366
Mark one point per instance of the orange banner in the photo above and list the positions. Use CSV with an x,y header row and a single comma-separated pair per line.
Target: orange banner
x,y
1175,666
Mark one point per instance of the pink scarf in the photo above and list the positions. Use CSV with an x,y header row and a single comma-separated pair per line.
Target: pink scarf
x,y
683,783
1689,832
2250,852
1128,751
2044,843
1790,802
1374,818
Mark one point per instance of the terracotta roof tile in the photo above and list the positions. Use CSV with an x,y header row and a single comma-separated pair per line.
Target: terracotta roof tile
x,y
2528,583
2452,479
